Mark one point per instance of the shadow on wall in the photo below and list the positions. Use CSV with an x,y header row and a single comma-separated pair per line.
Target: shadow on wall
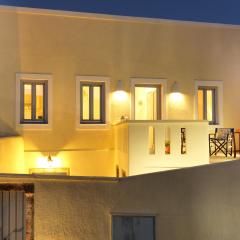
x,y
6,130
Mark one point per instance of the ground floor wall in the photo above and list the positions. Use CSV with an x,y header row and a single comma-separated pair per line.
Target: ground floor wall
x,y
192,204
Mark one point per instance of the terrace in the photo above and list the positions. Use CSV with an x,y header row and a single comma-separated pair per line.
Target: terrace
x,y
139,147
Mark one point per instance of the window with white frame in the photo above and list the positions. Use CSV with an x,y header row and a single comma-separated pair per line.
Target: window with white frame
x,y
209,101
33,99
92,101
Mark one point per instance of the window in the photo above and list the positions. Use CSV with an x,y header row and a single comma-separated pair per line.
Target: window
x,y
133,227
209,101
92,102
207,104
33,101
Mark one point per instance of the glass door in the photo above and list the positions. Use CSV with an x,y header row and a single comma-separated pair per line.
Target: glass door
x,y
147,102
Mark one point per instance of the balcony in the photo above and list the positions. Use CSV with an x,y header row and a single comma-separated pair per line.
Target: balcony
x,y
151,146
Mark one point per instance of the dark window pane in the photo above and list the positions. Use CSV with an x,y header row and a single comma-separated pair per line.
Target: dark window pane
x,y
133,228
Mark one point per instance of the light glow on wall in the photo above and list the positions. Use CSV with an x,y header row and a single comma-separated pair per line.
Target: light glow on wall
x,y
120,96
43,162
176,97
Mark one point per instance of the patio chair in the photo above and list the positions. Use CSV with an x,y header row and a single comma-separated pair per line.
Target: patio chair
x,y
222,141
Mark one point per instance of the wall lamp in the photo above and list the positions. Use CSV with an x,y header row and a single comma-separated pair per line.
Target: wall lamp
x,y
175,88
175,93
119,94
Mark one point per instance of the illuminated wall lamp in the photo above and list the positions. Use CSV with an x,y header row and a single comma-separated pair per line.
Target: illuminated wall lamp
x,y
175,88
175,93
120,94
49,166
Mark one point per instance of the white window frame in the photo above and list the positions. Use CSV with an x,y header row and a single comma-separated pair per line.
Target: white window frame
x,y
33,77
219,101
149,81
106,81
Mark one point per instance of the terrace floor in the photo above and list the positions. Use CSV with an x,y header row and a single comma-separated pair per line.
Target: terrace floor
x,y
222,158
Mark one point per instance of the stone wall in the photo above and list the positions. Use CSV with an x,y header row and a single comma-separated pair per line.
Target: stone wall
x,y
191,204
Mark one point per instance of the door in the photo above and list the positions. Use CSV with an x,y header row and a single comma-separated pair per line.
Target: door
x,y
147,102
12,215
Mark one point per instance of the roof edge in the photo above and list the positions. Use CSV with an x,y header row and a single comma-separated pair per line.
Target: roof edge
x,y
109,17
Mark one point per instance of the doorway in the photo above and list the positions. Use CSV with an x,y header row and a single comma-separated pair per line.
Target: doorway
x,y
147,102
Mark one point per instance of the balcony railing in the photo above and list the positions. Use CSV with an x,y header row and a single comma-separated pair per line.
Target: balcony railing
x,y
150,146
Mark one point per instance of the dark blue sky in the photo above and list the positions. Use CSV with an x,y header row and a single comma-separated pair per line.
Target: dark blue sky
x,y
214,11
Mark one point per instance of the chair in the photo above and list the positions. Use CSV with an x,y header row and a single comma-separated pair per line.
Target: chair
x,y
222,141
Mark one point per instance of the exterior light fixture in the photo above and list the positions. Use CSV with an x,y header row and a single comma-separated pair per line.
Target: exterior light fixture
x,y
50,162
175,93
119,85
120,94
175,88
49,159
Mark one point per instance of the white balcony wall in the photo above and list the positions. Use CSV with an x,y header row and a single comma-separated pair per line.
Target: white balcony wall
x,y
141,159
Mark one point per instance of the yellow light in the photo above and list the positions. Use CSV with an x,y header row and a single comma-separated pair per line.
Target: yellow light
x,y
120,96
43,162
176,97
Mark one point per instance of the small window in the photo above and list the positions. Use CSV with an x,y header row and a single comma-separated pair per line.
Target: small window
x,y
207,104
33,101
133,227
92,102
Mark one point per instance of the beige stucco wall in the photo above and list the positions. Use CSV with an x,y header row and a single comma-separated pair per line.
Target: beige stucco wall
x,y
67,46
195,203
12,155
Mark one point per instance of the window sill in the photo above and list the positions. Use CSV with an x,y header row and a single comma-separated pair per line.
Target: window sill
x,y
33,126
105,126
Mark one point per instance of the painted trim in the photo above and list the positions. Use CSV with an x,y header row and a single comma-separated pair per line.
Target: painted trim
x,y
106,80
147,81
33,77
214,83
109,17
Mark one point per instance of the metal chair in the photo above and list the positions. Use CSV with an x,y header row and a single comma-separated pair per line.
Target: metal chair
x,y
222,141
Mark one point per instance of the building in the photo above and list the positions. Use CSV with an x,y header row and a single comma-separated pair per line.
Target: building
x,y
102,98
98,95
67,78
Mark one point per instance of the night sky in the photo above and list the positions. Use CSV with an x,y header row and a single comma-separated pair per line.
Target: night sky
x,y
213,11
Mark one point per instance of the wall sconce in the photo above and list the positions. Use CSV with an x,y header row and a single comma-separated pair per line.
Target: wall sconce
x,y
175,93
49,160
175,88
119,85
119,94
49,165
